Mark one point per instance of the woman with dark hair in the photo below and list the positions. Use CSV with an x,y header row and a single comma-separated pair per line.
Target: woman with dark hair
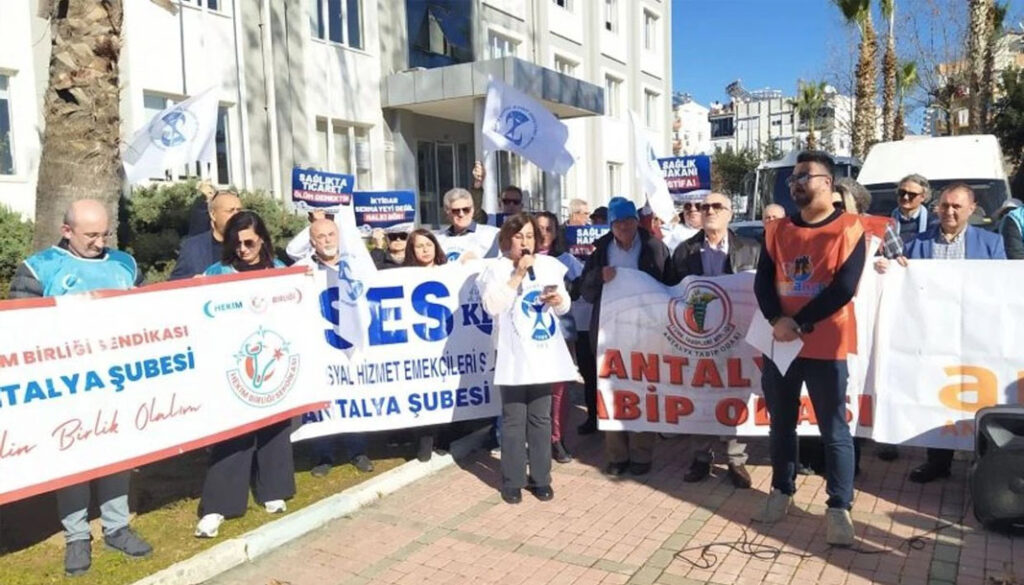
x,y
525,294
551,242
247,246
423,249
262,458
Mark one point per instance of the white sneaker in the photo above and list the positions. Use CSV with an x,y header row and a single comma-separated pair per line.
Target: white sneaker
x,y
208,526
275,506
839,529
775,507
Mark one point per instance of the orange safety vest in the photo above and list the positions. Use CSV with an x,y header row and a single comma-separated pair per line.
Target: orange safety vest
x,y
806,261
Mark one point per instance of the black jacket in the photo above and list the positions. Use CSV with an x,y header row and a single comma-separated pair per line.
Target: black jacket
x,y
197,253
654,260
686,260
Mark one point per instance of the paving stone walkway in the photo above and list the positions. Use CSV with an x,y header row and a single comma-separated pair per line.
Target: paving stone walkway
x,y
453,528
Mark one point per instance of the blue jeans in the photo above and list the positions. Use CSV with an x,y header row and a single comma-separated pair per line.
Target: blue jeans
x,y
73,506
826,386
323,447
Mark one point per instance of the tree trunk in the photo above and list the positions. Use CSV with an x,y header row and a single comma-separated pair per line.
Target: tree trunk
x,y
889,66
899,130
988,80
80,157
812,140
864,109
977,40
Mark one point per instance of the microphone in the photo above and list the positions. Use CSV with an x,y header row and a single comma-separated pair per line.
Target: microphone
x,y
530,269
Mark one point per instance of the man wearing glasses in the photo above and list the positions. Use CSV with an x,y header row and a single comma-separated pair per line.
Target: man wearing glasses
x,y
806,277
198,252
511,200
79,263
911,214
465,239
714,251
398,237
579,213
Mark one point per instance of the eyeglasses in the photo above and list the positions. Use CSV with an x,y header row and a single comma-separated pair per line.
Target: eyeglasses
x,y
691,206
904,194
512,201
93,236
398,236
803,178
462,210
706,207
250,244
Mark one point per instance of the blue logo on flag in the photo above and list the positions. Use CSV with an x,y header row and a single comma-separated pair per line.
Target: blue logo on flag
x,y
518,125
174,128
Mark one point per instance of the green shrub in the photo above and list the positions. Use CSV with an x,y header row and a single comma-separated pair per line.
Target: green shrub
x,y
15,245
154,220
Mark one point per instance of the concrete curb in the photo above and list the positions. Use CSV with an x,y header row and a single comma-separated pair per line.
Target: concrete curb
x,y
237,551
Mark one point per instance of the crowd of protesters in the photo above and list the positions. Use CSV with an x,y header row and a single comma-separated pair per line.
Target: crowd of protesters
x,y
829,225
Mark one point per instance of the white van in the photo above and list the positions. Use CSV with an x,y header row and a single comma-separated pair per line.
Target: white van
x,y
972,159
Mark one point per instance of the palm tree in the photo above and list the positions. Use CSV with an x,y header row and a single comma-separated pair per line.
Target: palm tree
x,y
977,41
997,16
889,66
81,109
810,98
906,77
858,13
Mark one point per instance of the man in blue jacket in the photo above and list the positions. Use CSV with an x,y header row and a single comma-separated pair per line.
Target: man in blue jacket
x,y
81,263
200,251
952,239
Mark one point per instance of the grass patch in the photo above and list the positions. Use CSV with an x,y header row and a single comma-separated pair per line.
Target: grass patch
x,y
165,498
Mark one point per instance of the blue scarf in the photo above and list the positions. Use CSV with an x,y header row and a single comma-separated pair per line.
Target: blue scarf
x,y
922,218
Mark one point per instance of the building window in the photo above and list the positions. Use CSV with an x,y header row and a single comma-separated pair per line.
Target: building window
x,y
344,148
501,45
565,66
612,88
211,4
508,169
611,19
338,21
650,30
614,179
566,4
650,109
6,135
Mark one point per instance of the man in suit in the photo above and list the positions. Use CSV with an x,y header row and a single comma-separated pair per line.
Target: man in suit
x,y
952,239
714,251
198,252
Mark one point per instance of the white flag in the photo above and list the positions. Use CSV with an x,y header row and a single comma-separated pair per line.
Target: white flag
x,y
355,271
652,178
182,134
516,122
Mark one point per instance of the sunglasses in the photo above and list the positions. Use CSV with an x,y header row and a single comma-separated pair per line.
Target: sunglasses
x,y
462,210
904,194
512,201
398,236
691,206
249,244
706,207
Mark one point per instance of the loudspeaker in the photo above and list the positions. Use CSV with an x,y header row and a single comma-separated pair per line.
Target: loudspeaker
x,y
997,475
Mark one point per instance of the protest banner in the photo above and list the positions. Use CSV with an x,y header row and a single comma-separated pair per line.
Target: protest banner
x,y
674,359
580,239
384,209
428,357
99,383
314,190
686,173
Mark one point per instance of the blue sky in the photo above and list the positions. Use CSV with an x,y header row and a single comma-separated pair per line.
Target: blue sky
x,y
765,43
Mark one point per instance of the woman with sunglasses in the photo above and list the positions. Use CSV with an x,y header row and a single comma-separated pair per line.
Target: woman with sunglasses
x,y
262,457
247,246
551,242
525,294
423,251
393,255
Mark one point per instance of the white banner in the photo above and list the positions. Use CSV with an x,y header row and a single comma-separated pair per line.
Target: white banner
x,y
428,358
94,384
675,359
177,136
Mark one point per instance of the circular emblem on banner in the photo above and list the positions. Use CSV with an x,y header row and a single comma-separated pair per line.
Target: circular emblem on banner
x,y
518,125
701,319
177,127
349,287
265,371
532,317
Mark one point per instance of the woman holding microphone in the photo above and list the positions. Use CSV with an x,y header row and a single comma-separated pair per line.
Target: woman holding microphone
x,y
525,294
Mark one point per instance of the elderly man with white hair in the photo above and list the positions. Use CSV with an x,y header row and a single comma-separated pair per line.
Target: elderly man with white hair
x,y
465,239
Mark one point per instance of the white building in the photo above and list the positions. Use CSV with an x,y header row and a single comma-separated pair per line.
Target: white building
x,y
691,128
391,92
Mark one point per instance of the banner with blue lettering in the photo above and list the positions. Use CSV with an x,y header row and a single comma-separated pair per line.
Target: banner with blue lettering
x,y
686,173
384,209
314,190
428,358
580,239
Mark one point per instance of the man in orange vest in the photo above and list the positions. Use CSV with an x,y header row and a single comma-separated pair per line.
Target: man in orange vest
x,y
806,277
